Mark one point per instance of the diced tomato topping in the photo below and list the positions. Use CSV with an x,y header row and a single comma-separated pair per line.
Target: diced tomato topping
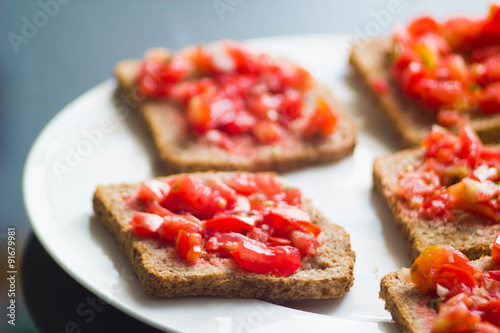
x,y
189,245
458,174
230,224
451,118
423,25
144,223
225,87
380,86
471,297
153,207
286,219
453,66
280,241
198,199
268,184
455,316
244,183
293,196
158,74
250,218
495,251
322,122
425,271
174,223
262,235
491,28
489,98
267,132
224,243
256,257
455,279
305,243
153,190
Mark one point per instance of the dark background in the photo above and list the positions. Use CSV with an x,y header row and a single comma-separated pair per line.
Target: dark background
x,y
47,60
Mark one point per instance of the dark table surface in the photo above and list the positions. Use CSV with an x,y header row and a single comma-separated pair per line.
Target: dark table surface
x,y
54,50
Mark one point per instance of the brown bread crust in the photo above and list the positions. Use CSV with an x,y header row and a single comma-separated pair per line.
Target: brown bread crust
x,y
409,307
179,153
470,233
411,121
163,273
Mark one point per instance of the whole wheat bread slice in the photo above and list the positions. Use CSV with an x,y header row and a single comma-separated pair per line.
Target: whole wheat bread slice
x,y
163,273
472,234
179,151
411,121
409,307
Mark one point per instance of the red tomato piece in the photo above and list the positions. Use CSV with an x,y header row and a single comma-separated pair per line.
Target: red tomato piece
x,y
437,205
261,235
144,223
154,207
293,105
411,77
157,75
403,56
243,122
174,223
455,66
461,32
436,94
380,86
482,53
268,184
471,145
489,98
293,196
259,258
280,241
495,251
322,122
243,183
485,327
415,186
189,245
267,132
153,190
491,311
455,279
423,25
198,199
488,71
425,269
305,243
266,105
244,61
451,118
224,243
286,219
455,316
491,28
231,224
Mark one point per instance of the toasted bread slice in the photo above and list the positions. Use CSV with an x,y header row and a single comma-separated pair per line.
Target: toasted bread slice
x,y
179,151
470,233
410,307
164,274
411,121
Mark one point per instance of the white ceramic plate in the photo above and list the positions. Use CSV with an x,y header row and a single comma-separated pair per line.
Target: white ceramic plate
x,y
93,141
